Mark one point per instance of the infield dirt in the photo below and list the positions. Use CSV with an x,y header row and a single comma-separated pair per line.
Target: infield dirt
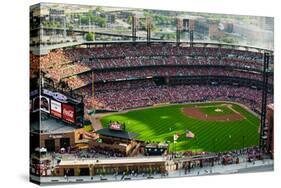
x,y
196,113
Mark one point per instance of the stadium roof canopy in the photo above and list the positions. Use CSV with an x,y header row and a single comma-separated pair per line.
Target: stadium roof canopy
x,y
45,49
117,134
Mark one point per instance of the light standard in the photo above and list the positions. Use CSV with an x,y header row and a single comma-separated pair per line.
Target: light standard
x,y
168,146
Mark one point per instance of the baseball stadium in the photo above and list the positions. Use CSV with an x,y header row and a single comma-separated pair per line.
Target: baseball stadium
x,y
142,96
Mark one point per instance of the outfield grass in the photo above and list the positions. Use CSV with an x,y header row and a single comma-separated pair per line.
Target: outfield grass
x,y
211,110
160,124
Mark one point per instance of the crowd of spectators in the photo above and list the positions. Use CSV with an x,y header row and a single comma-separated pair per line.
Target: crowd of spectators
x,y
96,153
75,66
120,98
81,80
60,63
158,50
173,60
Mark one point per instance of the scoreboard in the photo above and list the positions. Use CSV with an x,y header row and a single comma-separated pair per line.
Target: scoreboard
x,y
59,106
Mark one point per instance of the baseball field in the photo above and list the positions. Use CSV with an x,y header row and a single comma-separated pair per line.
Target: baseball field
x,y
216,126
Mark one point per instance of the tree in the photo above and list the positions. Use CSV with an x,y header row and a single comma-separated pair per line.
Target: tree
x,y
84,20
99,20
99,9
90,36
129,20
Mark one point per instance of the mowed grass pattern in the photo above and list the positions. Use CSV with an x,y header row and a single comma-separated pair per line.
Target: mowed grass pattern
x,y
161,123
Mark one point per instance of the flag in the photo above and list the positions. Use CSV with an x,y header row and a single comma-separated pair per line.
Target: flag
x,y
189,134
176,136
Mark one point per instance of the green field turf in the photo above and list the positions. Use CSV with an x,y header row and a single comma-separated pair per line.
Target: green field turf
x,y
210,110
161,123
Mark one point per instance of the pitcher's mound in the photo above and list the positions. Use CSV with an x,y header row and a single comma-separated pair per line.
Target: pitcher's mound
x,y
218,110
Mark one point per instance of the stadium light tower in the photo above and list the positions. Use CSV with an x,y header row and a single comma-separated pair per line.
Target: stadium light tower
x,y
148,29
263,128
179,23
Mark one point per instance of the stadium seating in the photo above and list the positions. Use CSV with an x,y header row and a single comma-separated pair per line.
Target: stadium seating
x,y
125,98
78,67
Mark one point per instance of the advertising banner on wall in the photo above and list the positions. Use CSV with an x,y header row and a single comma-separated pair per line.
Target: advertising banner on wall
x,y
45,104
35,104
55,95
56,108
68,113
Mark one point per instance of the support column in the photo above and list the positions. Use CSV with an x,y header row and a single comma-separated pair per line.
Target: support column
x,y
179,29
64,27
263,130
191,31
148,29
134,28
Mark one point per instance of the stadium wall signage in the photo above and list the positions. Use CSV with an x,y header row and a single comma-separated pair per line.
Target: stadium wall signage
x,y
56,108
45,104
68,113
116,126
57,96
34,93
56,136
